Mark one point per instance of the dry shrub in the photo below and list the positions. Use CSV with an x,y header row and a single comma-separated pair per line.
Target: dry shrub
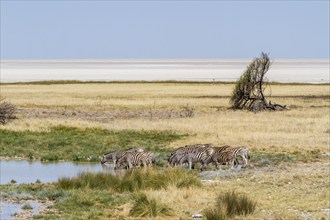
x,y
7,111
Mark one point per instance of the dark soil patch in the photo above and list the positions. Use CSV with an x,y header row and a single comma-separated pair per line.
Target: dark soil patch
x,y
283,97
103,116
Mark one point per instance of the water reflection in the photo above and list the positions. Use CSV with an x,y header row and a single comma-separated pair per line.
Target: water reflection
x,y
30,171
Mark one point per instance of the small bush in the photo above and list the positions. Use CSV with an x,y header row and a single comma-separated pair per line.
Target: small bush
x,y
236,204
230,204
7,111
144,207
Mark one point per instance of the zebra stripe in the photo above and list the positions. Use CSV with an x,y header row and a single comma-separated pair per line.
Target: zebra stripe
x,y
115,155
217,156
226,156
136,159
204,156
242,152
231,155
177,154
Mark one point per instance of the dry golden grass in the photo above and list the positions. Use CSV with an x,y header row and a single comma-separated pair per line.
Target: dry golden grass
x,y
296,191
285,192
167,95
305,126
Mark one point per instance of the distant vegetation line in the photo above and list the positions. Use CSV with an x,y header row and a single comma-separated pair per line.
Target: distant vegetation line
x,y
52,82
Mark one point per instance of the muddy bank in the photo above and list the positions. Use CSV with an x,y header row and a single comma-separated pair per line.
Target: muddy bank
x,y
12,208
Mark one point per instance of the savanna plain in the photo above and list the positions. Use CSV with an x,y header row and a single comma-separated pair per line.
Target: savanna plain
x,y
77,121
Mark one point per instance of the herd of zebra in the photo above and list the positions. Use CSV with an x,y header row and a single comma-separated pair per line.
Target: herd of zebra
x,y
203,154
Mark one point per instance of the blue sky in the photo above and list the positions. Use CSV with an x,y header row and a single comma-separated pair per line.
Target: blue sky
x,y
163,29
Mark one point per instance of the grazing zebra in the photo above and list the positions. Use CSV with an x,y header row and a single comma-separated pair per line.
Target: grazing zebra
x,y
136,159
230,155
115,155
225,156
242,152
177,154
203,156
217,153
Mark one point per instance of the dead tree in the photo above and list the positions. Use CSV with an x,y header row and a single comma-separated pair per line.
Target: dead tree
x,y
7,111
249,89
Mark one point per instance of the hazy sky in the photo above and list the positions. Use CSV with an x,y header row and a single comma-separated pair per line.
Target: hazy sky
x,y
163,29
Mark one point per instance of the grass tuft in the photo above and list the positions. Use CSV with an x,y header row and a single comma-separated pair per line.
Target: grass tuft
x,y
215,214
27,207
88,180
145,207
229,205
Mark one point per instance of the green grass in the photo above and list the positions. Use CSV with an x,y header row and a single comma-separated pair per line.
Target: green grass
x,y
71,204
261,158
98,195
132,181
88,180
74,144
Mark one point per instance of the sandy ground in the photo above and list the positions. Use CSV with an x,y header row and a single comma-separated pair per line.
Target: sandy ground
x,y
313,71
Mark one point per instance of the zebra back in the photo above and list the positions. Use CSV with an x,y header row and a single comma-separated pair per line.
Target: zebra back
x,y
134,159
115,155
243,152
190,148
203,156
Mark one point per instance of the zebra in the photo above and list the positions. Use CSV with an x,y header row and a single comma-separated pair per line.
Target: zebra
x,y
203,156
177,154
136,159
230,155
242,152
217,153
225,156
115,155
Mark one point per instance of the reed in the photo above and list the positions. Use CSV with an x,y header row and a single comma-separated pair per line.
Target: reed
x,y
134,180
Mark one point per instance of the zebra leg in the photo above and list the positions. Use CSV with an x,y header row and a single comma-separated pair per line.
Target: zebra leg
x,y
129,162
115,164
231,164
130,166
203,165
190,164
216,165
144,163
245,161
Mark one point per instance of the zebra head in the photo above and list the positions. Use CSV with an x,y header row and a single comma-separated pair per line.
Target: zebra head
x,y
106,157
